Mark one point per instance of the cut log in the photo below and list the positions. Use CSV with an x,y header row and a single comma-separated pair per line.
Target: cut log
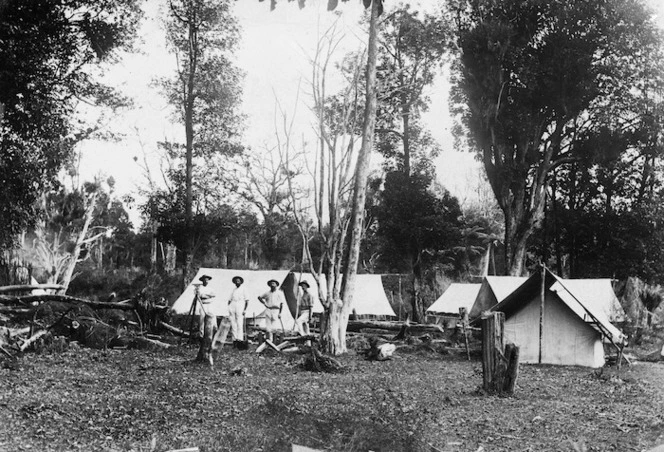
x,y
308,337
30,287
416,329
173,329
222,333
29,299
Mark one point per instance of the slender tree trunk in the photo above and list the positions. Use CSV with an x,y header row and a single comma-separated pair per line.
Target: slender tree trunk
x,y
405,112
418,308
153,247
361,177
80,240
189,131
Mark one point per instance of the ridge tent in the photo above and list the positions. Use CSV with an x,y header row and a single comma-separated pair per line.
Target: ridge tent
x,y
255,283
369,298
457,295
493,290
574,322
598,295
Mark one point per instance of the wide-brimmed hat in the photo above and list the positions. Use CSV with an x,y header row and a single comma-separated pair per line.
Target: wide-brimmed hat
x,y
304,284
273,281
237,277
205,277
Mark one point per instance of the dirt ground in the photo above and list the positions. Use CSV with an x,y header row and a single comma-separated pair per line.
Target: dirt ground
x,y
122,400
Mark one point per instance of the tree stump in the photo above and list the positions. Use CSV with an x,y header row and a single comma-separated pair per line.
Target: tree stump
x,y
500,363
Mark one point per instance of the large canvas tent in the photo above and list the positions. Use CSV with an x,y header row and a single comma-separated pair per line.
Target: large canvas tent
x,y
574,322
493,290
255,283
369,297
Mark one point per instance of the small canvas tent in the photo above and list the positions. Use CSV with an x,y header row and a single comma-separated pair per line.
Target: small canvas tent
x,y
369,298
458,295
493,290
445,310
574,322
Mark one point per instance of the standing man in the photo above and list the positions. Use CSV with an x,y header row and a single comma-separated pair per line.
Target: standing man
x,y
205,297
237,308
305,308
274,302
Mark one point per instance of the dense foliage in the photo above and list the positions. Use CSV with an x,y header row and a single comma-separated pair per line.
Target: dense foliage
x,y
48,51
535,81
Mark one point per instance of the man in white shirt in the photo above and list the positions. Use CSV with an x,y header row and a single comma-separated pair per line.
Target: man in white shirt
x,y
237,308
205,297
274,302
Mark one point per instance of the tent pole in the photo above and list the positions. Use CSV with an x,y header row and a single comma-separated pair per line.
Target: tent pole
x,y
541,319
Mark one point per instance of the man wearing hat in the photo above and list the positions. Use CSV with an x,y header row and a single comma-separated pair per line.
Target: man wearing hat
x,y
305,308
205,297
274,302
237,307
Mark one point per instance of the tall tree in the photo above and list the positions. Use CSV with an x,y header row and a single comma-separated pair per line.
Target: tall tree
x,y
418,226
411,53
531,77
342,309
47,54
206,90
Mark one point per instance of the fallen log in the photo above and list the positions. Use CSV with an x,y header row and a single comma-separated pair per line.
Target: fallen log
x,y
30,287
413,328
308,337
29,299
174,329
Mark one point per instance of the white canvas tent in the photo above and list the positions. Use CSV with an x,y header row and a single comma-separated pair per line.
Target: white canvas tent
x,y
458,295
574,322
369,297
255,283
598,295
493,290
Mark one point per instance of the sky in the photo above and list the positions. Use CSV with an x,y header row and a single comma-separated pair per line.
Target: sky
x,y
275,50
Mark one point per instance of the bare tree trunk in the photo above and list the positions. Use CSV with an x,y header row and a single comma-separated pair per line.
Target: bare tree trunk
x,y
171,258
361,176
153,247
189,131
80,241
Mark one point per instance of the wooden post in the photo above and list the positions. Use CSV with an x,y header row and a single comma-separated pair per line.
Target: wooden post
x,y
463,314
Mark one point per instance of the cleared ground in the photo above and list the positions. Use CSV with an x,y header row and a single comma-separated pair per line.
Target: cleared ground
x,y
121,400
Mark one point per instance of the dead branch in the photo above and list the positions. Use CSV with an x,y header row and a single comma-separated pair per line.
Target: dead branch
x,y
28,342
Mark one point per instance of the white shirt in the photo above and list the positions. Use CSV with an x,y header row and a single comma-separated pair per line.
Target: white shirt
x,y
239,295
273,299
206,294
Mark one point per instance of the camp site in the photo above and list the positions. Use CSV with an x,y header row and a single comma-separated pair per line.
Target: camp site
x,y
306,226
